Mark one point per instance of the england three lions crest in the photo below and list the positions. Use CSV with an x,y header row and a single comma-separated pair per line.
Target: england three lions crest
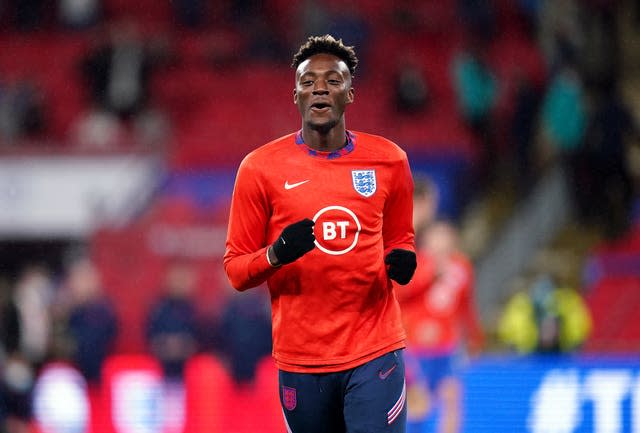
x,y
364,182
289,398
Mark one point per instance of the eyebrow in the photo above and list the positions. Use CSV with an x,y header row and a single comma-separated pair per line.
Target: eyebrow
x,y
315,74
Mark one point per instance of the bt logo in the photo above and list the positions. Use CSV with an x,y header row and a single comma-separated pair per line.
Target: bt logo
x,y
337,230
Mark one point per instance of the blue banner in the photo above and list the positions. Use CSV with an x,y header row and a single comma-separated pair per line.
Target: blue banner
x,y
552,395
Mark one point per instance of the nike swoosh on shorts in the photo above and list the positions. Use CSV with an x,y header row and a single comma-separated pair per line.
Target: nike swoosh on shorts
x,y
385,374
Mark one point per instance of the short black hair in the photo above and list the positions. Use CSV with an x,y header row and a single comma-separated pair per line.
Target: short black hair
x,y
326,44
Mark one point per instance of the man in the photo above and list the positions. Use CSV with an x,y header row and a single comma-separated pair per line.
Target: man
x,y
439,316
172,326
324,216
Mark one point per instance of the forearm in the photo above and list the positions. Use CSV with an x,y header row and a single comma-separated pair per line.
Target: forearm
x,y
248,270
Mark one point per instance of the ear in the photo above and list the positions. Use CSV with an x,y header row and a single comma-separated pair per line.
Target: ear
x,y
295,96
350,95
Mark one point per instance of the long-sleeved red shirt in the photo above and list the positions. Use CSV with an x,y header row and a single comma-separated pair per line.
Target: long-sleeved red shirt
x,y
335,307
438,307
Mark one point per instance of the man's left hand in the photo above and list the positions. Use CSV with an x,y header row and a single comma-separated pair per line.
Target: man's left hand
x,y
401,264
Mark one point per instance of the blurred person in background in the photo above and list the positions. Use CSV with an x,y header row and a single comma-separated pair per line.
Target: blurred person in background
x,y
545,318
33,296
22,111
425,203
561,36
611,130
564,112
411,91
90,319
245,334
563,127
477,87
172,327
118,71
440,317
25,327
17,374
172,336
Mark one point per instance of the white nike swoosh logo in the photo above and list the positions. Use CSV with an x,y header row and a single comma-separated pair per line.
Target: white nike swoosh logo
x,y
288,185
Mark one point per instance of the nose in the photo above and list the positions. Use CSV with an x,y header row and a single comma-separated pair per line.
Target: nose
x,y
320,88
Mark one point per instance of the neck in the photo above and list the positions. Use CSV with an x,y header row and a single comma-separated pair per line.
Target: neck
x,y
325,141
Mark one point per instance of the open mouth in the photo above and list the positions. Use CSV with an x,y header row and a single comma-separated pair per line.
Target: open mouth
x,y
318,106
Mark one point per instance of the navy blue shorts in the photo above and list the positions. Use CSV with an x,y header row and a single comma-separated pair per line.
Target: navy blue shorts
x,y
370,398
437,368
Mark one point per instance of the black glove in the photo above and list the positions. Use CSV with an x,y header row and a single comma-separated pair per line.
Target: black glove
x,y
401,264
295,241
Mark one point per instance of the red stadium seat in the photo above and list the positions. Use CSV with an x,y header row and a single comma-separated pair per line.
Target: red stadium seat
x,y
614,303
210,394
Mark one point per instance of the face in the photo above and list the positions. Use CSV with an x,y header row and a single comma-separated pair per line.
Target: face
x,y
84,281
424,210
323,90
180,280
440,240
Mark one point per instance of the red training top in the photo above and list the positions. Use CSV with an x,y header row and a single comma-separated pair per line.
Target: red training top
x,y
335,307
438,307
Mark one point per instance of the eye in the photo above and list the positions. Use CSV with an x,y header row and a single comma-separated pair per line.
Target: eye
x,y
307,83
334,82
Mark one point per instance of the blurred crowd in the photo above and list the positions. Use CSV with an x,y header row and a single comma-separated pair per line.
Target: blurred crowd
x,y
570,107
70,319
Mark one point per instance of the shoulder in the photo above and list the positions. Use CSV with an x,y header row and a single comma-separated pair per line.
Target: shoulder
x,y
268,153
375,140
462,262
378,146
461,259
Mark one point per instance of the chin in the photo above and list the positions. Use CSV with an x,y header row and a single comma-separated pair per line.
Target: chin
x,y
322,128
